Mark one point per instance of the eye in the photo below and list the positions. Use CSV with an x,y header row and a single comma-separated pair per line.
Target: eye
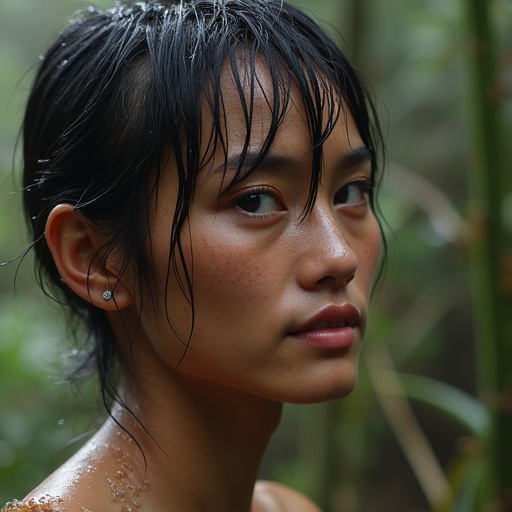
x,y
258,202
353,193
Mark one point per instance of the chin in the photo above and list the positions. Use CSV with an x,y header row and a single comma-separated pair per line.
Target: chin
x,y
317,398
323,391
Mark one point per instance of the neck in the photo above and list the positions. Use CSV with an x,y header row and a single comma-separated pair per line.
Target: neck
x,y
202,443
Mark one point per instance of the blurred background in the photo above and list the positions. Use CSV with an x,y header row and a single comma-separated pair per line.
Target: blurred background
x,y
410,438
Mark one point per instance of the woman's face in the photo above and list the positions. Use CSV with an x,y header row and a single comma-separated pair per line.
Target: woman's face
x,y
281,300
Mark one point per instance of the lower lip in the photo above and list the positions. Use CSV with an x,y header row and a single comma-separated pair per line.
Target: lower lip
x,y
337,338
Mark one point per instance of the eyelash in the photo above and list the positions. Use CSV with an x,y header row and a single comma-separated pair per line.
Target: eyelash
x,y
365,187
257,191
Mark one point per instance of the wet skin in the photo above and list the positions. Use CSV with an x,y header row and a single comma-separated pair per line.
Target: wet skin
x,y
281,305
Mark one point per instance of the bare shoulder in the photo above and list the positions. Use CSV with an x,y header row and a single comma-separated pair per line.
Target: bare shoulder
x,y
48,503
275,497
44,504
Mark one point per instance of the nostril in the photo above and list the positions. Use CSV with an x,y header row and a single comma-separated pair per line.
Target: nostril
x,y
335,280
350,278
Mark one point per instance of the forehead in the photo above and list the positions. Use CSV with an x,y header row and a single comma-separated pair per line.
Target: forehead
x,y
258,109
252,98
252,104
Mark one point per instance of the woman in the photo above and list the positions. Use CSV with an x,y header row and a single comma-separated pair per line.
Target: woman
x,y
199,179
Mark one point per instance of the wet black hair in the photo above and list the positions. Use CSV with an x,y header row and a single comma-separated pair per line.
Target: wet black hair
x,y
122,90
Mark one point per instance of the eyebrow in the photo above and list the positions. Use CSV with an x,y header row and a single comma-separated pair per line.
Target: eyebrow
x,y
355,157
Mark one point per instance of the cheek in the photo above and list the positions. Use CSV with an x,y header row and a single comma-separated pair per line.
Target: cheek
x,y
231,272
370,252
236,288
374,249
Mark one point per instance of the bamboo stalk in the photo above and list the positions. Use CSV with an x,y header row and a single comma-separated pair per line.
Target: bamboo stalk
x,y
490,251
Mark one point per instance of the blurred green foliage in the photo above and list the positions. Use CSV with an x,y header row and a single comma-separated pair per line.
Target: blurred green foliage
x,y
414,55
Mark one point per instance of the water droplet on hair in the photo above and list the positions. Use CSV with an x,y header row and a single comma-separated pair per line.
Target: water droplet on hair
x,y
43,161
28,189
34,217
63,44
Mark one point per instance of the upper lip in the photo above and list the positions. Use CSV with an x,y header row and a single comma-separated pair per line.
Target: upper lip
x,y
331,317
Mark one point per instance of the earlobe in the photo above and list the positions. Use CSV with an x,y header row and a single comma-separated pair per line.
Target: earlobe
x,y
75,250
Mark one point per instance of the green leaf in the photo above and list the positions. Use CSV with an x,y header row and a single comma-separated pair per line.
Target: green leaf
x,y
454,403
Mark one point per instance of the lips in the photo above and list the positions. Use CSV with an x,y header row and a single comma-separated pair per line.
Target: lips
x,y
331,317
331,328
328,325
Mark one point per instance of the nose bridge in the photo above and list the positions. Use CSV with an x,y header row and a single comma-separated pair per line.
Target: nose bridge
x,y
328,230
327,254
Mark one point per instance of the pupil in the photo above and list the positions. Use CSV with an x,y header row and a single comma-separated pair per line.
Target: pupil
x,y
251,202
342,195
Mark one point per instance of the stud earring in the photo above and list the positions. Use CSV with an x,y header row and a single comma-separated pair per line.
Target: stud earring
x,y
107,295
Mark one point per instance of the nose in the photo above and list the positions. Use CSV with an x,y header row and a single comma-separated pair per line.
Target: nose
x,y
326,258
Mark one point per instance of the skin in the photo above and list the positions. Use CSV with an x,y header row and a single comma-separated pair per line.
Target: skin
x,y
260,273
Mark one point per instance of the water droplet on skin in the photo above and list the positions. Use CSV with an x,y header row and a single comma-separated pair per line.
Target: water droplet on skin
x,y
46,503
125,489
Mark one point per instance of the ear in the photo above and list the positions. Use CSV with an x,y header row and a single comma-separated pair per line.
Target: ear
x,y
74,247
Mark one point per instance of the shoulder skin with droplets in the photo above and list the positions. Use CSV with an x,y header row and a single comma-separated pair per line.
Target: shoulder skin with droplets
x,y
45,504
